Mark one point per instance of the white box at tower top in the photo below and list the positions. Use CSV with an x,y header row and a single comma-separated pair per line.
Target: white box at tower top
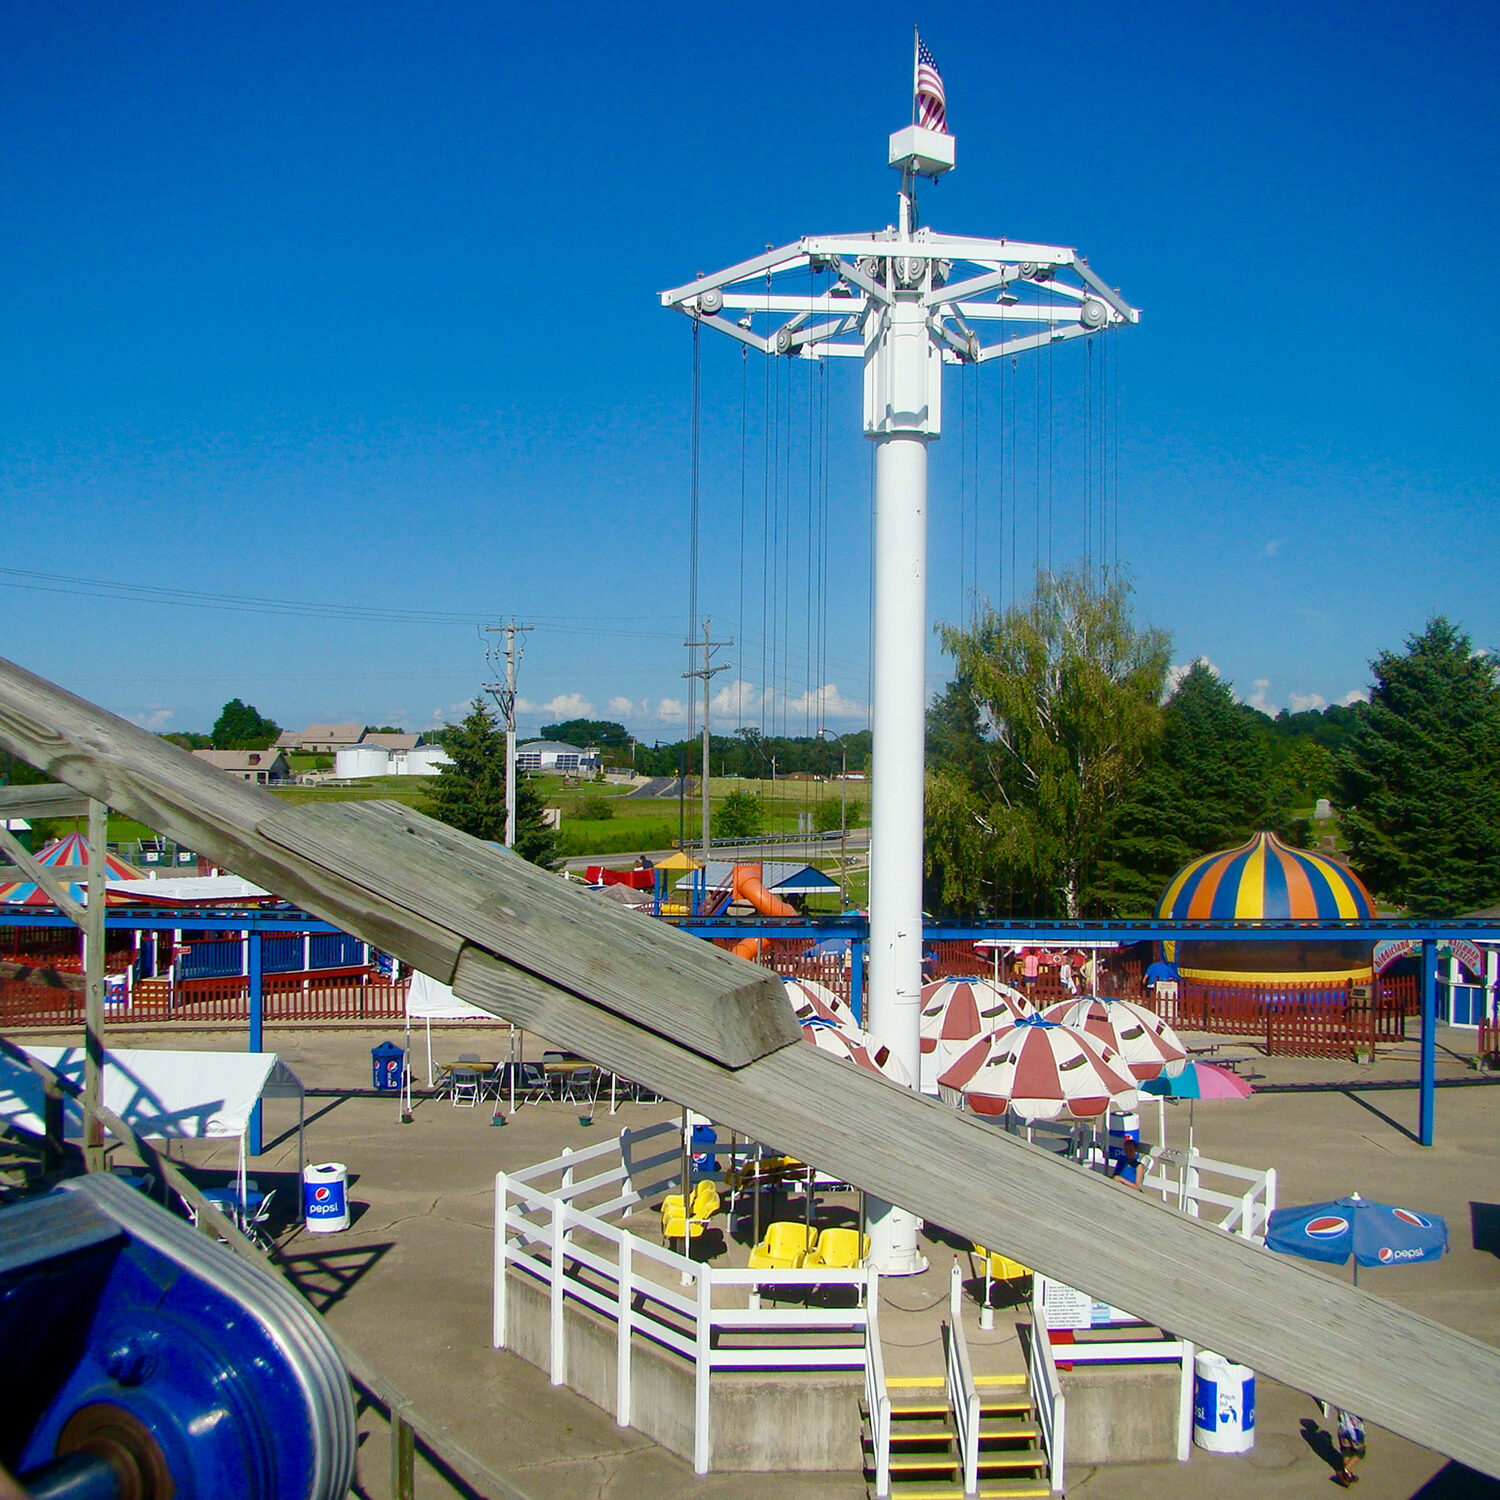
x,y
928,153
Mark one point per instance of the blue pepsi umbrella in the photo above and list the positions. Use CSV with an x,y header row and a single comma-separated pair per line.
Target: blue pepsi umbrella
x,y
835,947
1375,1234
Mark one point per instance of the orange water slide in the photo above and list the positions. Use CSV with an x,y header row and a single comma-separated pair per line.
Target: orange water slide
x,y
746,885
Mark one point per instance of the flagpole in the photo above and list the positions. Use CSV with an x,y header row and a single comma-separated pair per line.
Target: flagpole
x,y
916,44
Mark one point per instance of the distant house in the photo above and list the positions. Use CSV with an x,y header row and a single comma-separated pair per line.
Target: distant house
x,y
560,759
321,739
260,767
391,742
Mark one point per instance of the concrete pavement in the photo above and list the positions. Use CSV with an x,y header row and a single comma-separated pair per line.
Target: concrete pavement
x,y
409,1282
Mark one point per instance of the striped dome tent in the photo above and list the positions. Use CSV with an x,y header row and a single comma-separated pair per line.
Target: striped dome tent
x,y
1266,879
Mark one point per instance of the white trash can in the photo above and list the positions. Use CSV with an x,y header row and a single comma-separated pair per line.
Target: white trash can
x,y
325,1197
1223,1404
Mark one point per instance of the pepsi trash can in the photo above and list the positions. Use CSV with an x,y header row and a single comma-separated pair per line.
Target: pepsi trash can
x,y
325,1197
385,1068
705,1138
1223,1404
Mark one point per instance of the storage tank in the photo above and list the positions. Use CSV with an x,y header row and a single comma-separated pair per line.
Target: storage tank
x,y
426,760
360,760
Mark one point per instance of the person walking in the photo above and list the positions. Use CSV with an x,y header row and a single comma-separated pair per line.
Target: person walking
x,y
1030,964
1351,1432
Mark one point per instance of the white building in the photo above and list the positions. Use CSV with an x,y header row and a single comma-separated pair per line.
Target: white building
x,y
559,759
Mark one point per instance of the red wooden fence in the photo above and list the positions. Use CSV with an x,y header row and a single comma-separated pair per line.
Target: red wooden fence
x,y
1310,1018
352,996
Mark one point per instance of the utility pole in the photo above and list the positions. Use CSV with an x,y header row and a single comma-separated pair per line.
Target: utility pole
x,y
828,734
505,696
904,300
707,647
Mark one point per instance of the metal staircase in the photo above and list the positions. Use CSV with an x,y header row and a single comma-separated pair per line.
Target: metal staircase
x,y
925,1458
954,1436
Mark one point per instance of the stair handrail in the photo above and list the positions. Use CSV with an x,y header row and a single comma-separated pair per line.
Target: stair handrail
x,y
877,1394
963,1394
1047,1399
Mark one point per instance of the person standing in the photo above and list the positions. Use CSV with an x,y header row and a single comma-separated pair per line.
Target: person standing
x,y
1130,1166
1351,1430
1029,966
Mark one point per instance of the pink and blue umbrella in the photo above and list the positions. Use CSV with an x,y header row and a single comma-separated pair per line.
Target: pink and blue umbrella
x,y
1375,1234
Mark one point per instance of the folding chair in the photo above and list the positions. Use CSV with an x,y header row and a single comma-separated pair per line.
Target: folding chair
x,y
581,1085
465,1085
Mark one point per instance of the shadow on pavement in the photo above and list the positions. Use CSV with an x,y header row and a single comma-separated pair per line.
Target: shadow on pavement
x,y
326,1277
1456,1481
1484,1222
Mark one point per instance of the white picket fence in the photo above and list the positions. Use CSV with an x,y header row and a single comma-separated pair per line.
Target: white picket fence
x,y
540,1215
1240,1200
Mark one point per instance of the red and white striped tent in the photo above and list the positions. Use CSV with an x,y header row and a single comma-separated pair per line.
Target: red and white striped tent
x,y
68,853
1040,1071
1144,1041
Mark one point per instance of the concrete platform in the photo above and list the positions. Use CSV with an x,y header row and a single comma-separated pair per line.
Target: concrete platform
x,y
409,1282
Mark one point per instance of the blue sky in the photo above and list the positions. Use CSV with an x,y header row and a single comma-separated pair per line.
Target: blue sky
x,y
332,336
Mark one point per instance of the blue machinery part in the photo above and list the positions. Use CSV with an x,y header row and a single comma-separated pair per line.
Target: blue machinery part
x,y
140,1360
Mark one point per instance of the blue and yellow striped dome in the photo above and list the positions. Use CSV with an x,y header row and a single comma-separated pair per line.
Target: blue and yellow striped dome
x,y
1266,879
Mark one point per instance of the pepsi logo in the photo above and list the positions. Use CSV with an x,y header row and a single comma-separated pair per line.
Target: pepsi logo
x,y
1326,1227
1408,1217
320,1194
1388,1256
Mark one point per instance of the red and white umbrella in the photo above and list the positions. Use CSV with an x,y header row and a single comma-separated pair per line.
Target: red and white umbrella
x,y
955,1012
1145,1042
958,1010
1040,1070
858,1047
815,1004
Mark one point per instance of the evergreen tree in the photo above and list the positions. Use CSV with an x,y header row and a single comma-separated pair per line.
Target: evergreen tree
x,y
1064,696
1419,784
240,727
1208,785
469,794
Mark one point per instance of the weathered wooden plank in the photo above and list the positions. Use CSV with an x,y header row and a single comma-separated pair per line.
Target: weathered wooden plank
x,y
676,984
1277,1315
47,800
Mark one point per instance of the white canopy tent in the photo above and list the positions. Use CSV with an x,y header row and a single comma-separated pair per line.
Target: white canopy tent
x,y
429,1000
160,1094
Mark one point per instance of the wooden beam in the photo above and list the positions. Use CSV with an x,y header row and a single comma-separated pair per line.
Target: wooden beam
x,y
1428,1382
48,800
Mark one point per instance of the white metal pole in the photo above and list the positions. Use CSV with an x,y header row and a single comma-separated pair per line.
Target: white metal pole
x,y
896,792
510,735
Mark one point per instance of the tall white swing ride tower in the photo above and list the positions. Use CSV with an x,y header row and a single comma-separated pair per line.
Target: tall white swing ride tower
x,y
906,300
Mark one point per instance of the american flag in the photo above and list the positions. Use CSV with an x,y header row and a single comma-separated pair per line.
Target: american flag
x,y
932,106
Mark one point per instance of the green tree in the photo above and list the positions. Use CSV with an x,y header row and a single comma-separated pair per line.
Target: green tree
x,y
240,727
1419,783
1066,697
469,794
738,816
1207,784
603,733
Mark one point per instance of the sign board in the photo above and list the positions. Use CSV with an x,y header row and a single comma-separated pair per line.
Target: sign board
x,y
1067,1307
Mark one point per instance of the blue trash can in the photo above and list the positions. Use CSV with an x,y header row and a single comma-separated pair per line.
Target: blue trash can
x,y
705,1138
385,1068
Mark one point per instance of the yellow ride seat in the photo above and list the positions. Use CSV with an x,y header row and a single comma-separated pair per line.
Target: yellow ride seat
x,y
840,1249
785,1247
1000,1267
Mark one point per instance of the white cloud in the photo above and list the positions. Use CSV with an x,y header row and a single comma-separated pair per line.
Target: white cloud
x,y
155,718
1257,699
1176,674
1274,546
671,711
1301,702
1354,695
740,702
568,706
625,708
